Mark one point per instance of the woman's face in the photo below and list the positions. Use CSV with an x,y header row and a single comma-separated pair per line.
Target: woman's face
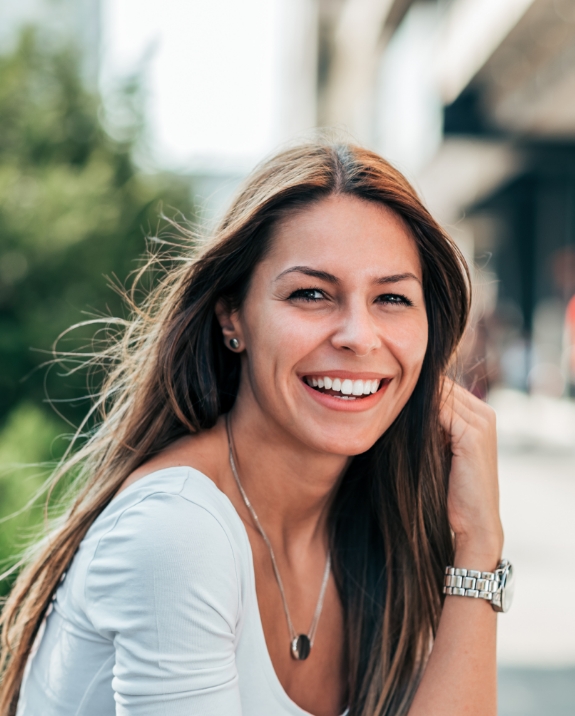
x,y
333,328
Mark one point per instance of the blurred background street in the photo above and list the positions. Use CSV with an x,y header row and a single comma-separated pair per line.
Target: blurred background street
x,y
115,114
537,473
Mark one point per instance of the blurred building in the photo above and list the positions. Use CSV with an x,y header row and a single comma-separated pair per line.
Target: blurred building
x,y
60,22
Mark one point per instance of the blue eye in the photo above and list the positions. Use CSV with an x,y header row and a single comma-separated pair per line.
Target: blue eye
x,y
394,299
307,294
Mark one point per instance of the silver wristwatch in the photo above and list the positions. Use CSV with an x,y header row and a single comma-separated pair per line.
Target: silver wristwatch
x,y
496,587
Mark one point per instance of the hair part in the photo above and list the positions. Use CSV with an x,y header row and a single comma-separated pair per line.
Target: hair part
x,y
171,375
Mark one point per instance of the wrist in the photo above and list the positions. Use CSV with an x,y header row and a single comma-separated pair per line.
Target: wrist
x,y
473,553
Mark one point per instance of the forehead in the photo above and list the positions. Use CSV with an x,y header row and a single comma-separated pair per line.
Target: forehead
x,y
345,235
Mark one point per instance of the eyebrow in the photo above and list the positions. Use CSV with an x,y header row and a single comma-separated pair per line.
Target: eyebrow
x,y
397,277
314,273
330,278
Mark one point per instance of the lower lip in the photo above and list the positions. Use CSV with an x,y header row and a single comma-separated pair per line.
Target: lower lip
x,y
348,406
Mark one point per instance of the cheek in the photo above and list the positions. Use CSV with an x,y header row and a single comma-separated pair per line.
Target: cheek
x,y
297,334
277,338
407,340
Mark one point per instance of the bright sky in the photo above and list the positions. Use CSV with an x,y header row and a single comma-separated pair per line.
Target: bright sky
x,y
212,77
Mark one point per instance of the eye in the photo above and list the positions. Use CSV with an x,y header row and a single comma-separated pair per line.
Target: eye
x,y
307,294
394,299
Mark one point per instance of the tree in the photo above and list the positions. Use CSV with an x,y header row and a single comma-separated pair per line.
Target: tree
x,y
73,209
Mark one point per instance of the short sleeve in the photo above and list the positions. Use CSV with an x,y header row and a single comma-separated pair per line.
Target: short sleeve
x,y
163,585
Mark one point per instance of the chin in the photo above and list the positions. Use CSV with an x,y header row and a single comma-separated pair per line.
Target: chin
x,y
344,442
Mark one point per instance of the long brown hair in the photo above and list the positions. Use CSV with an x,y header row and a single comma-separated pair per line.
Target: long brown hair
x,y
172,375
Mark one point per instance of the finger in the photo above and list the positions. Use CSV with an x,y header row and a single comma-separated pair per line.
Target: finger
x,y
462,411
458,398
458,415
472,408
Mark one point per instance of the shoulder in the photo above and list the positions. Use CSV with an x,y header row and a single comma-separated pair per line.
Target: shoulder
x,y
198,453
170,502
169,533
168,508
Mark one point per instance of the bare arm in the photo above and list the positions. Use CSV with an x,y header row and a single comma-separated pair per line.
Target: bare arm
x,y
460,677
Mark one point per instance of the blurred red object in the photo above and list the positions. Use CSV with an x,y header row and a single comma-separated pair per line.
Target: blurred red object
x,y
570,326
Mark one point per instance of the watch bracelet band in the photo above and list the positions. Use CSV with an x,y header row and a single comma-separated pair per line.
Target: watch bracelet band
x,y
461,582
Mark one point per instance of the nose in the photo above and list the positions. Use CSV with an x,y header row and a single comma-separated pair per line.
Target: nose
x,y
357,331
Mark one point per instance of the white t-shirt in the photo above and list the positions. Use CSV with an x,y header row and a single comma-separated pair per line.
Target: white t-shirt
x,y
158,615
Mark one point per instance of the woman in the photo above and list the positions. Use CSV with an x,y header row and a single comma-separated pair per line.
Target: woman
x,y
281,477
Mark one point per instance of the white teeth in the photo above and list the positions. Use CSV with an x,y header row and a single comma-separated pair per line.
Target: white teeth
x,y
347,387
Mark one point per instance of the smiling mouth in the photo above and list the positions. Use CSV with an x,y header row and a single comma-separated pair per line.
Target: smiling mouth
x,y
345,389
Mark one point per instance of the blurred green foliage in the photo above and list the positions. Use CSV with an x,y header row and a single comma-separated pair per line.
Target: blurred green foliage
x,y
24,442
73,209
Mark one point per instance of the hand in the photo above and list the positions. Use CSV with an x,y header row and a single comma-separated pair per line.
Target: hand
x,y
473,495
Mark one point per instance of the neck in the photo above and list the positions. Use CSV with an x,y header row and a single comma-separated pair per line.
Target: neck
x,y
289,485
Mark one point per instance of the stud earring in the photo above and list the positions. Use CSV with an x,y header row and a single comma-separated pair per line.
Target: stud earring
x,y
234,343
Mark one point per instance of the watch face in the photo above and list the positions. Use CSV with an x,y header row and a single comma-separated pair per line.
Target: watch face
x,y
508,587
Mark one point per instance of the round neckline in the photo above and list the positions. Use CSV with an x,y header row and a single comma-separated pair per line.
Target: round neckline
x,y
267,664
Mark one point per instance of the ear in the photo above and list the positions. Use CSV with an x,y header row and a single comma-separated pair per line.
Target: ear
x,y
229,322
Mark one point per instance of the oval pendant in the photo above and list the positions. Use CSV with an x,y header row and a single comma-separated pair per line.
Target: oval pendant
x,y
300,647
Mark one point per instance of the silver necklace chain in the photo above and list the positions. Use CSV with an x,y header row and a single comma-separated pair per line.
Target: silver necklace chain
x,y
319,607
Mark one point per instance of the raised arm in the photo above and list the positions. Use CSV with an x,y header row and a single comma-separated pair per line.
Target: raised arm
x,y
461,678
